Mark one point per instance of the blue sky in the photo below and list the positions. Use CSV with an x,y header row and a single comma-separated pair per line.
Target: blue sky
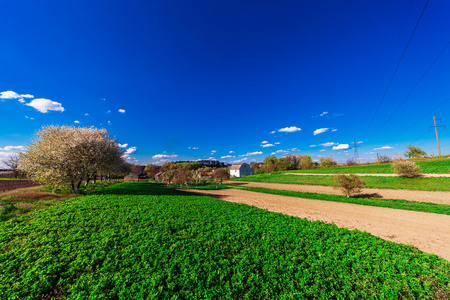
x,y
230,80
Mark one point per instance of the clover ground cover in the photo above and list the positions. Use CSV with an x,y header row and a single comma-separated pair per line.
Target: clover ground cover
x,y
143,240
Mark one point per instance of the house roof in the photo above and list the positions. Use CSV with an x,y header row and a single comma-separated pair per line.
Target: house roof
x,y
236,166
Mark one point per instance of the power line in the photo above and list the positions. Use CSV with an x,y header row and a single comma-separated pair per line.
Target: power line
x,y
428,113
414,87
395,72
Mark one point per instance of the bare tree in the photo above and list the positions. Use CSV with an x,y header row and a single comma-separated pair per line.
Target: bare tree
x,y
12,162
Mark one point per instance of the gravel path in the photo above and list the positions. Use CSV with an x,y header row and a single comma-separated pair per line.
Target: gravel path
x,y
428,232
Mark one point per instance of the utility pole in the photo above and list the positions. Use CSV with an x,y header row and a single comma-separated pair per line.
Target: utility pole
x,y
356,151
435,129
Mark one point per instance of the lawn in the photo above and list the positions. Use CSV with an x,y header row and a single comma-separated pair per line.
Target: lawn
x,y
419,183
143,240
438,166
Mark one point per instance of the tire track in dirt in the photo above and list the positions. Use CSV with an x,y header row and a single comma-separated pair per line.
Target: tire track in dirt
x,y
426,231
419,196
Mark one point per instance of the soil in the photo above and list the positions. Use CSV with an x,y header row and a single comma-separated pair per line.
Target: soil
x,y
426,231
8,185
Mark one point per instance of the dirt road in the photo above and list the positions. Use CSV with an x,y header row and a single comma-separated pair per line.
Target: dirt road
x,y
428,232
369,174
420,196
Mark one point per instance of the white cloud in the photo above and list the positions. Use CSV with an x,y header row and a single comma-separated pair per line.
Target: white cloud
x,y
384,148
320,130
76,122
44,105
231,152
312,146
109,123
333,130
29,118
279,151
122,111
272,132
341,147
213,151
360,142
324,113
27,96
21,100
13,148
264,142
86,114
109,111
164,156
293,149
239,161
322,150
328,144
290,129
9,95
193,148
212,158
123,145
267,145
252,153
277,143
130,150
227,156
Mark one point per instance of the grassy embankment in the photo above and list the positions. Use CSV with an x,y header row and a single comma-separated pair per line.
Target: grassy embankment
x,y
437,166
147,241
418,183
22,201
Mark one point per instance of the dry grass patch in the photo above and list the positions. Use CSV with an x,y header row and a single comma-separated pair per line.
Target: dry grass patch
x,y
21,201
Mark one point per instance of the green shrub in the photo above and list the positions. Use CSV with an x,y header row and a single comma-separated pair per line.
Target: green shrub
x,y
349,184
405,168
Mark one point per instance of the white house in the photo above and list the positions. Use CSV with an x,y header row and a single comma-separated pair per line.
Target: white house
x,y
241,170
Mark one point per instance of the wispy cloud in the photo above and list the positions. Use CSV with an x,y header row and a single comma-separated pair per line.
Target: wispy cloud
x,y
384,148
272,132
12,148
123,145
264,142
267,145
312,146
193,148
333,130
320,130
76,122
289,129
231,152
328,144
122,111
252,153
131,150
227,156
164,156
45,105
239,160
278,151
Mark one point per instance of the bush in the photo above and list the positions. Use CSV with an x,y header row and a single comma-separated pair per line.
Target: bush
x,y
405,168
382,159
351,162
414,152
349,184
327,162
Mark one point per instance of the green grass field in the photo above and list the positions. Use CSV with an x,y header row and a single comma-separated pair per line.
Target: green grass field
x,y
438,166
143,240
419,183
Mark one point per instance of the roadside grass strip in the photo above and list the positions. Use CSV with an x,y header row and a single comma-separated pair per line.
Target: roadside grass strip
x,y
442,209
437,166
146,241
418,183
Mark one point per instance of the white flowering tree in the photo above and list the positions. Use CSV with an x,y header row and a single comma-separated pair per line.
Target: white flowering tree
x,y
62,155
